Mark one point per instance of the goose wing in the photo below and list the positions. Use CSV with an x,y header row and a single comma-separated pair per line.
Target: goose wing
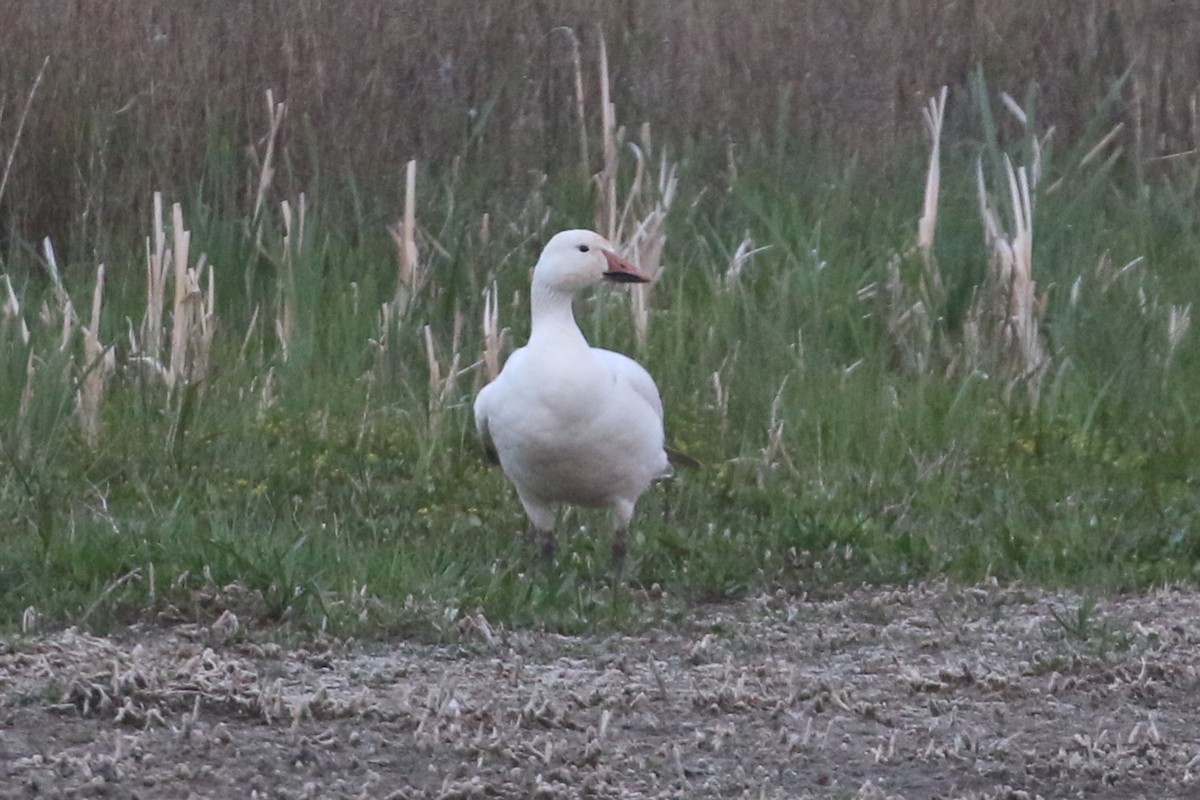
x,y
482,423
632,374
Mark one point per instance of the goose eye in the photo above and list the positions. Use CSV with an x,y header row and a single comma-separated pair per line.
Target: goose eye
x,y
583,248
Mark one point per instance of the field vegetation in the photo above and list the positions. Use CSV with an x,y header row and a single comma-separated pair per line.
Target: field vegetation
x,y
256,259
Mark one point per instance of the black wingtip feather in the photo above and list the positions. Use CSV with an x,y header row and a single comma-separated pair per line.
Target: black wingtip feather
x,y
678,458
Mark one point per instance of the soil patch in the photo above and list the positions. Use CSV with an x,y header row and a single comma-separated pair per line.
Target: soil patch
x,y
933,691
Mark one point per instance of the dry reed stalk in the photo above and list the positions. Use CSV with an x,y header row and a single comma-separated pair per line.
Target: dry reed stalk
x,y
607,179
738,261
640,230
381,344
493,335
193,309
157,263
65,311
99,365
205,319
774,453
26,402
287,292
1002,328
267,397
1104,142
199,317
431,361
911,311
456,338
31,620
99,362
1093,154
181,240
1107,275
387,318
721,401
908,320
404,235
442,381
12,309
266,170
193,321
1014,108
934,114
649,239
1004,317
251,329
1037,146
1179,322
638,226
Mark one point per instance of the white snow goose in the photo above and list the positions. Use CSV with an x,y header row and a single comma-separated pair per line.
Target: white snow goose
x,y
570,423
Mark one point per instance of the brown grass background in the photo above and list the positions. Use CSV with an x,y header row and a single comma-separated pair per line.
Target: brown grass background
x,y
139,96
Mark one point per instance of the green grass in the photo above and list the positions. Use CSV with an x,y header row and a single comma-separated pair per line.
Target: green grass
x,y
348,501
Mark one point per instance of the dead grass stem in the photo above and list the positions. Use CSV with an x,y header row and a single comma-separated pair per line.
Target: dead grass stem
x,y
12,148
99,363
404,235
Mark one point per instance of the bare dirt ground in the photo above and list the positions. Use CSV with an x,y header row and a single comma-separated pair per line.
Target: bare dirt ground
x,y
929,692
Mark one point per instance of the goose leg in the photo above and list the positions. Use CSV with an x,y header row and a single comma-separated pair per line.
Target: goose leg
x,y
546,541
542,518
549,545
619,548
622,514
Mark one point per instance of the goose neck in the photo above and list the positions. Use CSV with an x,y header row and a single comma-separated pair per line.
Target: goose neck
x,y
552,314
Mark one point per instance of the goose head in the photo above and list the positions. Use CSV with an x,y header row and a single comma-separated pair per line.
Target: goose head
x,y
573,260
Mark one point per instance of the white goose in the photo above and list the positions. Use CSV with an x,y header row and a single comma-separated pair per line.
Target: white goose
x,y
570,423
